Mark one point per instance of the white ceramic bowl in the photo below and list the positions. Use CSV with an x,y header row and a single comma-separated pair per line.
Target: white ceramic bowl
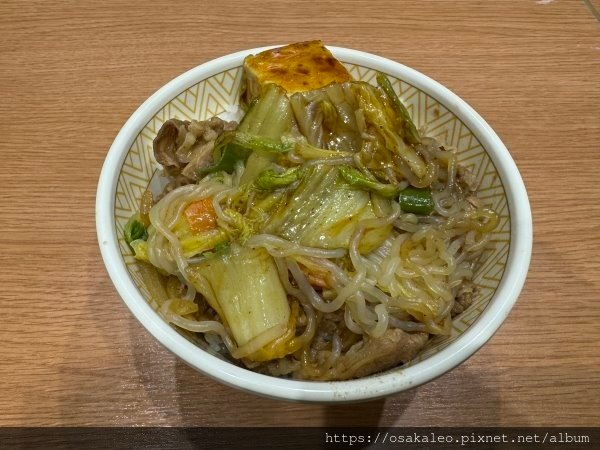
x,y
207,90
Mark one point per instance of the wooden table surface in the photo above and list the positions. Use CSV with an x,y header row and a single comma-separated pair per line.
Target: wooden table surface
x,y
71,73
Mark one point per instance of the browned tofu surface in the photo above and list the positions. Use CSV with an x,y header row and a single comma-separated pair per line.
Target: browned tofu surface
x,y
299,67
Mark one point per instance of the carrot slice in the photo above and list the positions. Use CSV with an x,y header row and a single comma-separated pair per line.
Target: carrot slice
x,y
201,216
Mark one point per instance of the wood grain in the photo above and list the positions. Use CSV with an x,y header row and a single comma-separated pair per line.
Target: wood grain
x,y
72,72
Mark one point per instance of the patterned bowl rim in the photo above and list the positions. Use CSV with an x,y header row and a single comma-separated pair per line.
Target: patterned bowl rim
x,y
363,389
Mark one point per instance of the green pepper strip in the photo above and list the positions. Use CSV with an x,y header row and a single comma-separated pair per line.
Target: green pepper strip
x,y
409,130
417,201
356,178
269,180
232,147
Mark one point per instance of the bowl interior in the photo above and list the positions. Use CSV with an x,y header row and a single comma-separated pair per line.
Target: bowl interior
x,y
218,92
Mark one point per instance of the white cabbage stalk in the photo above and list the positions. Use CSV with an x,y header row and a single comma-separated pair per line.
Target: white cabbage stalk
x,y
243,287
271,117
324,212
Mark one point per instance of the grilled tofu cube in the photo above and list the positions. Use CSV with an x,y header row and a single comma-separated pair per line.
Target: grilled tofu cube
x,y
299,67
